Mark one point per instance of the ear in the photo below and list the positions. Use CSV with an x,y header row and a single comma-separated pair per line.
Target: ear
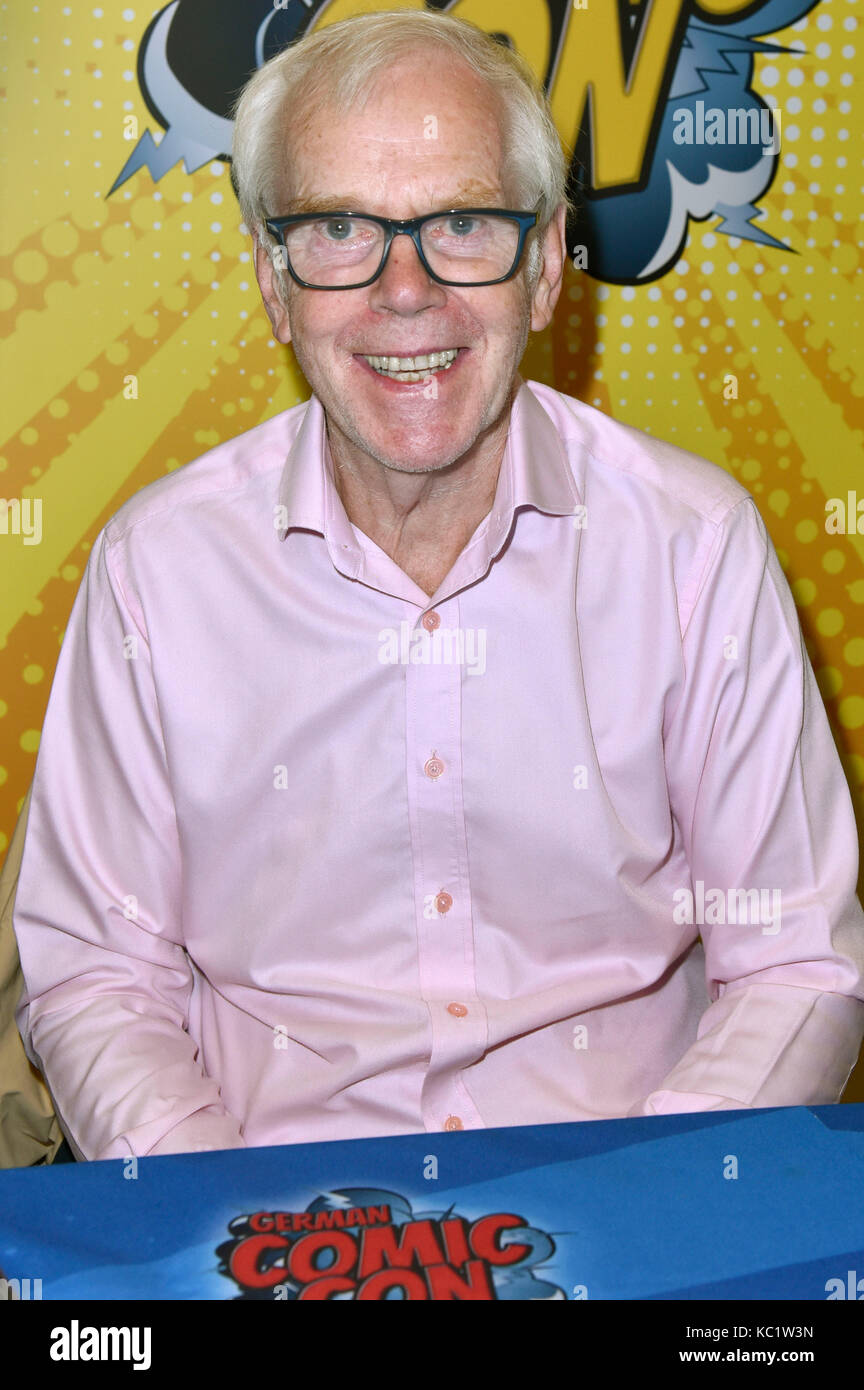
x,y
277,310
548,287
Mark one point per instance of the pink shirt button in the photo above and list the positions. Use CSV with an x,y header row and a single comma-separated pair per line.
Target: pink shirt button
x,y
453,1122
443,902
431,620
433,767
457,1010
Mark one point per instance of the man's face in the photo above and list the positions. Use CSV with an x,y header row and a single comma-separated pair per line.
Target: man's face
x,y
427,140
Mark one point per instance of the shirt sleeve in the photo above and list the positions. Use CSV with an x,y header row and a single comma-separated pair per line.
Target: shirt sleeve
x,y
759,795
107,982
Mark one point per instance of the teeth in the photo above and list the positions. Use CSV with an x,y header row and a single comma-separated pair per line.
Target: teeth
x,y
414,368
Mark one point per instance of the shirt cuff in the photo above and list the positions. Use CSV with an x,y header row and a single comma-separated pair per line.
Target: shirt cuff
x,y
764,1045
684,1103
205,1130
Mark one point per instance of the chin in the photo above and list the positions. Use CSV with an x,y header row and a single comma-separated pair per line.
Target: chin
x,y
405,454
424,463
412,457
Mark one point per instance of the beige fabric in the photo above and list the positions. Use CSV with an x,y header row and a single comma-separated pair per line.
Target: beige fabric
x,y
29,1129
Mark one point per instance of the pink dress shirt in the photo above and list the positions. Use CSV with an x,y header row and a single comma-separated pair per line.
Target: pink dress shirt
x,y
313,856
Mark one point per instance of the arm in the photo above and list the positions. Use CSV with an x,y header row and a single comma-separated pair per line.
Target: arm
x,y
757,789
29,1129
98,908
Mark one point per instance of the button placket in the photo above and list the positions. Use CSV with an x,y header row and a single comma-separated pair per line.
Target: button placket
x,y
442,889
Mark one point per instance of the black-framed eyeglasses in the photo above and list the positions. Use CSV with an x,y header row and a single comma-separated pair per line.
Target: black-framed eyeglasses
x,y
347,250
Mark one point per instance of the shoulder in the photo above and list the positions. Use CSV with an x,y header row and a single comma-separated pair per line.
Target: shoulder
x,y
605,451
244,463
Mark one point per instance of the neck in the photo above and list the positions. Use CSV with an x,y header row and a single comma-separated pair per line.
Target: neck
x,y
423,521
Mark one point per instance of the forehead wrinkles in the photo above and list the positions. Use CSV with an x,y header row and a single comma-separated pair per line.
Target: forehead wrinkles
x,y
452,117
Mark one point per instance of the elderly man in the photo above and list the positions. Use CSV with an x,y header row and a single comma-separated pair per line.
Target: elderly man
x,y
490,785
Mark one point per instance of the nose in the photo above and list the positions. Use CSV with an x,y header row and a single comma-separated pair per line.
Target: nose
x,y
404,286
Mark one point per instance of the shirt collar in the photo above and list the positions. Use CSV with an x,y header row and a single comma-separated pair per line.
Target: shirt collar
x,y
535,472
308,497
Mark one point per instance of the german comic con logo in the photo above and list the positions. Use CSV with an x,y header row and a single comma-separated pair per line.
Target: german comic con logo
x,y
368,1244
655,99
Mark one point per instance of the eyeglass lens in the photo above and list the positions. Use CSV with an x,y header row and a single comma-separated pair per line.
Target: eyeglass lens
x,y
462,248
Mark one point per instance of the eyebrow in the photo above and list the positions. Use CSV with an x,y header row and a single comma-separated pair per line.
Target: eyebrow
x,y
476,195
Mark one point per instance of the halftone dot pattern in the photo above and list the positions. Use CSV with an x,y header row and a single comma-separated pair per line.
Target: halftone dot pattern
x,y
132,328
133,338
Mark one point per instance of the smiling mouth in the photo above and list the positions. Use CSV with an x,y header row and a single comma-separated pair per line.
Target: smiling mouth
x,y
413,368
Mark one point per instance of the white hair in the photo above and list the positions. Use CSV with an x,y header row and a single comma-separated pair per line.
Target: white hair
x,y
338,66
